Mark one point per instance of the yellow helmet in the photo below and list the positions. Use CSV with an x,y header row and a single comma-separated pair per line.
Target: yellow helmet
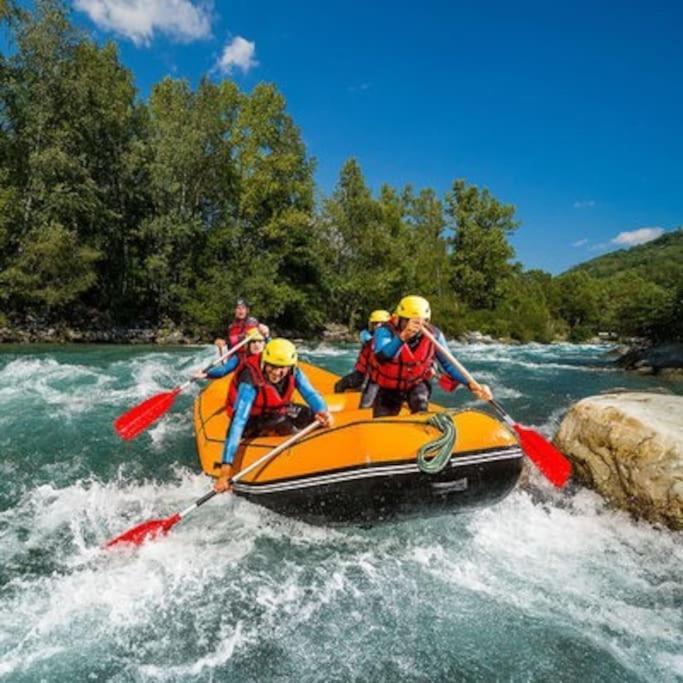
x,y
379,316
413,307
254,334
279,352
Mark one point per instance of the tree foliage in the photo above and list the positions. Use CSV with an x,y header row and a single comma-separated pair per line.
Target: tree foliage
x,y
118,210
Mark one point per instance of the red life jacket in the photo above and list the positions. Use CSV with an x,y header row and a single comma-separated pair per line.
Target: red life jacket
x,y
408,367
268,398
363,360
238,330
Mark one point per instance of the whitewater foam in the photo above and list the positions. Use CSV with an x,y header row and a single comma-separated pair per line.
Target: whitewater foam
x,y
237,592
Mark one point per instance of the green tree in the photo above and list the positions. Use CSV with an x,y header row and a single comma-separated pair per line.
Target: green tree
x,y
366,238
580,302
52,271
67,108
634,305
481,252
192,178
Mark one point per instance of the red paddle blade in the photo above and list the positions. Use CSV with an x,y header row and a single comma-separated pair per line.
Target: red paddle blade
x,y
137,419
147,531
555,466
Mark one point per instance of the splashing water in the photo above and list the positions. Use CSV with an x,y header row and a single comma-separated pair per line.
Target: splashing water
x,y
546,585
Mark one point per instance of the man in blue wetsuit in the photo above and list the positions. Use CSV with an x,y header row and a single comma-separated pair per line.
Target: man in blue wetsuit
x,y
403,360
260,401
253,348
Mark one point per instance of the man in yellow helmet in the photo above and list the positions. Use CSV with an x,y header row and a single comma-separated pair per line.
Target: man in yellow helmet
x,y
359,376
403,360
260,401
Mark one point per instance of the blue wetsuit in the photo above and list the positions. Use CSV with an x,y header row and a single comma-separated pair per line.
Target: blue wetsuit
x,y
225,368
365,336
246,393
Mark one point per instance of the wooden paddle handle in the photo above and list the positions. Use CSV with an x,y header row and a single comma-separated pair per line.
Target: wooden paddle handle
x,y
228,353
446,352
276,451
463,371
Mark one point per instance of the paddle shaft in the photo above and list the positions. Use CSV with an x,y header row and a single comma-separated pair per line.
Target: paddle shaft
x,y
464,372
231,351
242,473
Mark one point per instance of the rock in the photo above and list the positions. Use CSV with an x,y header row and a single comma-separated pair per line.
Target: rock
x,y
476,337
646,359
334,332
74,336
629,447
671,374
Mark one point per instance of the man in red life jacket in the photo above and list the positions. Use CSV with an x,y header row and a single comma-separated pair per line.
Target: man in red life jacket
x,y
240,325
260,401
403,359
360,375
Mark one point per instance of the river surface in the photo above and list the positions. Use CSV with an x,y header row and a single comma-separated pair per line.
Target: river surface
x,y
544,586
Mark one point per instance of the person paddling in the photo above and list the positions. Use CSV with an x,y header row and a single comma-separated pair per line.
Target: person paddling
x,y
260,401
240,325
403,359
253,348
360,375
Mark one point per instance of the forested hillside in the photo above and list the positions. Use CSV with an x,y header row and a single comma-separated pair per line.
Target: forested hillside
x,y
658,261
120,211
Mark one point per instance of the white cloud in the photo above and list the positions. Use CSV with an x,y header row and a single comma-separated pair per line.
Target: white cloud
x,y
238,53
580,243
139,20
584,204
362,87
640,236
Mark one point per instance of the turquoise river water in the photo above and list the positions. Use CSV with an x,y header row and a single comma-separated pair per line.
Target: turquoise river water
x,y
544,586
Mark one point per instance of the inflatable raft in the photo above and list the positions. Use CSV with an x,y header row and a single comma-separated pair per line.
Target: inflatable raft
x,y
363,470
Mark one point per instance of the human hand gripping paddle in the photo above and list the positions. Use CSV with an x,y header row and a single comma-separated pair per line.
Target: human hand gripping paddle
x,y
137,419
155,527
545,456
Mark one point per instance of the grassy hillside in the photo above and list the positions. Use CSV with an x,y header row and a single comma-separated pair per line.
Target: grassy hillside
x,y
659,261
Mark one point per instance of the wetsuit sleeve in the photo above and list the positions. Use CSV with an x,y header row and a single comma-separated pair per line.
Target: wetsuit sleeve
x,y
365,336
445,364
311,396
246,393
385,343
225,368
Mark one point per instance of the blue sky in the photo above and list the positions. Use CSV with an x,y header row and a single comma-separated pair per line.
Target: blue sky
x,y
570,111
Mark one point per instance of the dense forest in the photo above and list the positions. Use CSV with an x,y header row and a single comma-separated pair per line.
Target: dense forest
x,y
119,211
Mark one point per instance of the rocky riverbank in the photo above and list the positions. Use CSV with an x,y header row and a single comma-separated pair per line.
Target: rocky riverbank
x,y
665,360
36,332
629,448
63,334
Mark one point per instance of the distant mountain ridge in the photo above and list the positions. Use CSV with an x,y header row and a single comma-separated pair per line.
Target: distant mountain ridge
x,y
659,261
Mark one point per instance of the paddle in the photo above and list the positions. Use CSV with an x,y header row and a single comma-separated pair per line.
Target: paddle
x,y
544,455
137,419
155,527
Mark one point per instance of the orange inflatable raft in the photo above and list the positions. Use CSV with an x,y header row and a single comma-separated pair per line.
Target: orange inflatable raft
x,y
363,470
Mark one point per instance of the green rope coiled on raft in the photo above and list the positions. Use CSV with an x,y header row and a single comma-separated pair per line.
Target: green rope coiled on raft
x,y
435,455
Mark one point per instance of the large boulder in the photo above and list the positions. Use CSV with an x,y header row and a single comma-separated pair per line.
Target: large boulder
x,y
629,447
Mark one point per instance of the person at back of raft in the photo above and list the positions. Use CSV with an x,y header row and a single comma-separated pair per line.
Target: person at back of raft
x,y
403,360
253,348
240,325
260,401
361,370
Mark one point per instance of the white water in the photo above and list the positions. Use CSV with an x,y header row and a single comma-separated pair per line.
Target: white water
x,y
546,585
